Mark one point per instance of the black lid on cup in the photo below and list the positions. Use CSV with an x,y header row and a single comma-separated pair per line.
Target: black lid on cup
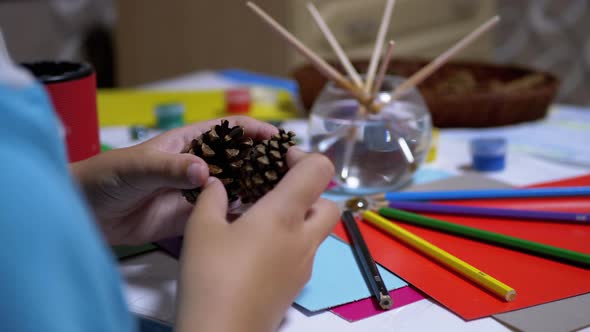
x,y
58,71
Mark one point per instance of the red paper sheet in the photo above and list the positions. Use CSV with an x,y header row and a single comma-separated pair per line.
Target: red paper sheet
x,y
536,280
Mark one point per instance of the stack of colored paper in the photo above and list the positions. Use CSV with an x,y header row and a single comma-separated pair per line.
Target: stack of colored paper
x,y
536,279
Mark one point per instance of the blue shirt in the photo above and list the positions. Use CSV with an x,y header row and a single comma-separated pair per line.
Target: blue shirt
x,y
56,273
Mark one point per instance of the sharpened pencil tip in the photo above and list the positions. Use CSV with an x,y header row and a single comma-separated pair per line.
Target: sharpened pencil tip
x,y
378,197
385,301
511,295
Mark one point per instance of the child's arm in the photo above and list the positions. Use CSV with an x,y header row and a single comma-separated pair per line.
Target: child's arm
x,y
56,272
243,275
135,192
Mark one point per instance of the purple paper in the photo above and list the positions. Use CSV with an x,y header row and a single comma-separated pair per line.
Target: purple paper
x,y
172,246
368,307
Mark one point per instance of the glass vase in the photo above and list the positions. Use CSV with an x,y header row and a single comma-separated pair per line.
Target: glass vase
x,y
371,152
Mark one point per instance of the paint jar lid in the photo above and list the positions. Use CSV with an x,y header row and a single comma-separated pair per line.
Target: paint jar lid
x,y
169,116
488,154
238,100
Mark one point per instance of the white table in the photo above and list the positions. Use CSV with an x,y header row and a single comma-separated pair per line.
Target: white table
x,y
151,278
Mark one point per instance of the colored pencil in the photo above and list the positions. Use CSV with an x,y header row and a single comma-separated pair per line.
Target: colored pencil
x,y
539,249
579,218
366,262
483,193
463,268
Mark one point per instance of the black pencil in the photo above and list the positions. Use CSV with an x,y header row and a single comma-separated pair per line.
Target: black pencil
x,y
366,262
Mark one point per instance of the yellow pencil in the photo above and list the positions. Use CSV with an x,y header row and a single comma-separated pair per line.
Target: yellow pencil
x,y
481,278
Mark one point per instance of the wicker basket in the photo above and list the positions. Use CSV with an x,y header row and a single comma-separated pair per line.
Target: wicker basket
x,y
463,94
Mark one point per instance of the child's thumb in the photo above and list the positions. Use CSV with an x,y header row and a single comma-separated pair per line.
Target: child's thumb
x,y
170,170
211,205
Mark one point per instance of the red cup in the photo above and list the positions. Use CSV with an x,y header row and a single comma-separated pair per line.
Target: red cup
x,y
72,89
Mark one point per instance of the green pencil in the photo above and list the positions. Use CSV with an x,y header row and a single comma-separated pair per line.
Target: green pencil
x,y
577,258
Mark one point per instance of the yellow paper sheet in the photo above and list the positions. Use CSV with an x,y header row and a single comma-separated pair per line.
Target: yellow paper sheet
x,y
120,107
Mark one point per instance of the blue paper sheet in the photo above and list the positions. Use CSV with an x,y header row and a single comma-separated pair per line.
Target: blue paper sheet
x,y
336,278
428,174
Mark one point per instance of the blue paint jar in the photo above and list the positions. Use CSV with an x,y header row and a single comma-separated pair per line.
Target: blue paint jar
x,y
488,154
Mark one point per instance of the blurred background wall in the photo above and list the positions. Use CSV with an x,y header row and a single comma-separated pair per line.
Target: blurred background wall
x,y
137,41
61,29
553,35
221,33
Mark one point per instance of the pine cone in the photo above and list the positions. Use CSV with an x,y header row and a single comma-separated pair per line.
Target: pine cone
x,y
223,149
265,167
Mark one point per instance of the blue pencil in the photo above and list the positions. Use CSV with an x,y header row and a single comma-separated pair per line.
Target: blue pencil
x,y
484,193
582,218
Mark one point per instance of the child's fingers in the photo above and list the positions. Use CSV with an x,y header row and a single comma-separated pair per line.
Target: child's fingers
x,y
180,138
211,205
300,187
322,218
155,170
258,130
294,154
169,211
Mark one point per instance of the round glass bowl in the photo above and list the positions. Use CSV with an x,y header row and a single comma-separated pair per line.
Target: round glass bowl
x,y
373,152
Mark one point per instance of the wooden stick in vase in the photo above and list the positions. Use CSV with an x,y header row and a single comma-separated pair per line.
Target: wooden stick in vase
x,y
322,66
384,66
354,75
378,45
389,125
430,68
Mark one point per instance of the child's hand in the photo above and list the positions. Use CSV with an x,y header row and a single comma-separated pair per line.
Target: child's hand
x,y
134,191
243,275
